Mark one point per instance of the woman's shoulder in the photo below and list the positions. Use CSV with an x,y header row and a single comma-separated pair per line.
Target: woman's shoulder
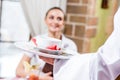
x,y
66,39
69,43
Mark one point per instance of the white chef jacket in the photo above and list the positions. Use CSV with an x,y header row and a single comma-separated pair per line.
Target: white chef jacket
x,y
102,65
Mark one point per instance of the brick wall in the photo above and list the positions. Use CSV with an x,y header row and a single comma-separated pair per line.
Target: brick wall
x,y
81,22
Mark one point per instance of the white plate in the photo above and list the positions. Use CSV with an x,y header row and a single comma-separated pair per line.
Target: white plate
x,y
27,47
53,52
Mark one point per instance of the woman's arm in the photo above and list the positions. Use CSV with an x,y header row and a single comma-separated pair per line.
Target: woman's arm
x,y
20,71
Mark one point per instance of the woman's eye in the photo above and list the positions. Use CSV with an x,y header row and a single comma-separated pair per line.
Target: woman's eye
x,y
51,17
59,18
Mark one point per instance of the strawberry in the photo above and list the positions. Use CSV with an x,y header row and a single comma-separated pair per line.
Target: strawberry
x,y
59,49
53,47
34,41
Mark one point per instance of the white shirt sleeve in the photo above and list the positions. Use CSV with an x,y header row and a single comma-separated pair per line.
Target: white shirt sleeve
x,y
75,68
106,65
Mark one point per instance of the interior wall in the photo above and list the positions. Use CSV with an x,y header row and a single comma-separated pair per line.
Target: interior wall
x,y
105,23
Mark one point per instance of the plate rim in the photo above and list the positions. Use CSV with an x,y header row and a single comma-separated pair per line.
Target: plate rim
x,y
33,51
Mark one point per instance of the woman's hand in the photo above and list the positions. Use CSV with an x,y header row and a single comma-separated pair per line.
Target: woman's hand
x,y
47,76
47,60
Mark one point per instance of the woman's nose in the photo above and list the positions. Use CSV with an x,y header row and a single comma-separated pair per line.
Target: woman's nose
x,y
56,21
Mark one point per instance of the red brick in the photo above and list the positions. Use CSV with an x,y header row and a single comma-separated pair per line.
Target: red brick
x,y
76,9
79,31
90,32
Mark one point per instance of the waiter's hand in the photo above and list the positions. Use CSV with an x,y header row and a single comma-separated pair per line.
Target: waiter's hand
x,y
47,60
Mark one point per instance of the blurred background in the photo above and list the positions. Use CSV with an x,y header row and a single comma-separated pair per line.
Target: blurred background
x,y
88,22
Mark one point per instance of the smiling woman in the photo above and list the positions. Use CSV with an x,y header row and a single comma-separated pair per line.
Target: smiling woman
x,y
54,20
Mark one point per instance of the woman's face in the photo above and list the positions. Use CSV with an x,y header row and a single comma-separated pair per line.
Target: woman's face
x,y
55,20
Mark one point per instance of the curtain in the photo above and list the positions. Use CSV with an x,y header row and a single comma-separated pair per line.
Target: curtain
x,y
0,12
13,23
35,12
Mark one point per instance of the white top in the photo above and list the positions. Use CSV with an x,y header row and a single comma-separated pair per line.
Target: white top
x,y
102,65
